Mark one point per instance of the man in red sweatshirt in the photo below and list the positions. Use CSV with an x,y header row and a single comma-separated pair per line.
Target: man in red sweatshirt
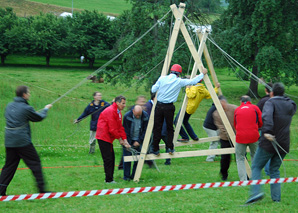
x,y
247,121
109,128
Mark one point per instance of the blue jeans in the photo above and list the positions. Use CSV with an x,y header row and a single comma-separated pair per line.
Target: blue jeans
x,y
187,126
260,159
127,165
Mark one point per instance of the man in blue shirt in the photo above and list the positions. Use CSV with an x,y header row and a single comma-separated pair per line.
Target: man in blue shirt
x,y
168,88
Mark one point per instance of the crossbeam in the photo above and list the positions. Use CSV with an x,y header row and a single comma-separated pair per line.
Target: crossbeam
x,y
183,154
202,140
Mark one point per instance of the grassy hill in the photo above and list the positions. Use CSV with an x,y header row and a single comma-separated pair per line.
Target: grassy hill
x,y
29,8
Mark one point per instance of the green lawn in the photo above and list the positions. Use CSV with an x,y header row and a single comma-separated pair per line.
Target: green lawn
x,y
60,143
111,6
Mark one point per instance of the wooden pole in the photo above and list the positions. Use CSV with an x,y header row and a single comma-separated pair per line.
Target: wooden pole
x,y
209,86
209,63
165,69
184,104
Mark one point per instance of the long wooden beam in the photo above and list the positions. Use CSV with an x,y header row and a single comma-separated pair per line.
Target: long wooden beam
x,y
182,154
209,62
191,142
184,104
164,72
209,86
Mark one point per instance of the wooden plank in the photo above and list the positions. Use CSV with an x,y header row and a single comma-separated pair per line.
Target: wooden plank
x,y
182,154
191,142
209,63
164,72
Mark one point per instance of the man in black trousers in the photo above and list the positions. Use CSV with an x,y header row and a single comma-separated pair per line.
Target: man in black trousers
x,y
18,142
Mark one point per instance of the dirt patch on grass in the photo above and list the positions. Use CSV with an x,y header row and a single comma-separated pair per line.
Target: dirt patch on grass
x,y
25,8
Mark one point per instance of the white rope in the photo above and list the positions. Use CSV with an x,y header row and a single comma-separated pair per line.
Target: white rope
x,y
47,90
110,61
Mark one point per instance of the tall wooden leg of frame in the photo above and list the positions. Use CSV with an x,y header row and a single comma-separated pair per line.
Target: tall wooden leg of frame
x,y
209,63
214,78
164,72
197,59
184,104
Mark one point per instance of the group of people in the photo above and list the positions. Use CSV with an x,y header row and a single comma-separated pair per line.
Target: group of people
x,y
271,117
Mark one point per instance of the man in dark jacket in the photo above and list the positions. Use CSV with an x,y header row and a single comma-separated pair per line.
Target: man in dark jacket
x,y
94,109
277,117
18,144
135,124
263,100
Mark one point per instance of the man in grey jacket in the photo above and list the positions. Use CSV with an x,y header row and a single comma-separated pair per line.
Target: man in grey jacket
x,y
18,143
274,142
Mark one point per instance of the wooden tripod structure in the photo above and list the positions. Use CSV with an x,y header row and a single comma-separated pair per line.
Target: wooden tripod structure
x,y
179,25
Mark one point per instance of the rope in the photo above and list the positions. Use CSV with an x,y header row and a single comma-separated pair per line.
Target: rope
x,y
47,90
110,61
229,61
122,191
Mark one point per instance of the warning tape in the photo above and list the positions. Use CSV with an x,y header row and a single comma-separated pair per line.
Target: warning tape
x,y
121,191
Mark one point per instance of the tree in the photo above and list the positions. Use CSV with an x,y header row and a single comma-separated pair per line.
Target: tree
x,y
20,36
260,36
91,35
147,53
7,20
48,33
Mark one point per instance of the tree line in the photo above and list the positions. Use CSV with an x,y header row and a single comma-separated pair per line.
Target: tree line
x,y
258,34
88,33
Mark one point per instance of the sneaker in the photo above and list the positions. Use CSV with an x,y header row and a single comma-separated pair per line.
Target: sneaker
x,y
210,160
255,198
196,139
183,140
156,153
110,182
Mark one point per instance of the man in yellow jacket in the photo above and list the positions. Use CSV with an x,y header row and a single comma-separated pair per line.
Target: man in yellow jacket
x,y
195,95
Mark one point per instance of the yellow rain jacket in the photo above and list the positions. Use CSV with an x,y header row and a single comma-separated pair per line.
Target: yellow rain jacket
x,y
195,95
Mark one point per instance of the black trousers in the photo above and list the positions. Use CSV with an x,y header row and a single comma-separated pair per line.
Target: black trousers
x,y
108,156
163,112
13,157
225,159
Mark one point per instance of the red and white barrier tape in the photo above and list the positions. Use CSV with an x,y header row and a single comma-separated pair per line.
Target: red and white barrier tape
x,y
144,189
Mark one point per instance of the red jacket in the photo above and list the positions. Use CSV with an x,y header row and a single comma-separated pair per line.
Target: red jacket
x,y
247,121
109,125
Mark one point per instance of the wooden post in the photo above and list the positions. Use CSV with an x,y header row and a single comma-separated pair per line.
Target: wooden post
x,y
209,63
209,86
165,69
184,104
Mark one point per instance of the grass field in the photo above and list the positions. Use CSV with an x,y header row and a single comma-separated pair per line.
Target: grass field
x,y
63,147
28,7
111,6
